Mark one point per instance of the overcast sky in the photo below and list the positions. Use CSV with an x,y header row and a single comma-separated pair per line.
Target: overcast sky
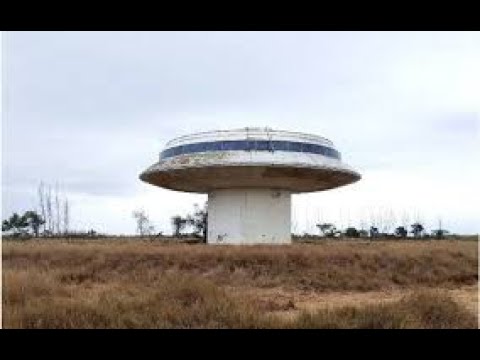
x,y
91,110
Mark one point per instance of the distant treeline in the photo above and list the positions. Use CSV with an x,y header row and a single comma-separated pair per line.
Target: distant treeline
x,y
53,220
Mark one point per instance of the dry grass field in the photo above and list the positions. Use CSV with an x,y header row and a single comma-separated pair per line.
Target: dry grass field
x,y
150,284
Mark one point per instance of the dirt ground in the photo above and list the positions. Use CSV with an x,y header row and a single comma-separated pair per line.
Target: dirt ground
x,y
288,303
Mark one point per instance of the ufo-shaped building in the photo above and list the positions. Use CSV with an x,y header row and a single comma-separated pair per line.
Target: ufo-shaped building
x,y
249,175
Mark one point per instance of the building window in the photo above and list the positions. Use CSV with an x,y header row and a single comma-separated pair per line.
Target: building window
x,y
251,145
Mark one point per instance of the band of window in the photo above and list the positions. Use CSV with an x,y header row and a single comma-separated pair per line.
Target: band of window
x,y
251,145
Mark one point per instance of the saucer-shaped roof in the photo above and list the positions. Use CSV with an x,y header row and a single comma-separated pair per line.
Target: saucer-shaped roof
x,y
250,158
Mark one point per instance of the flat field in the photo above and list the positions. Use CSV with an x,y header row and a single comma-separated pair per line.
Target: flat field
x,y
132,283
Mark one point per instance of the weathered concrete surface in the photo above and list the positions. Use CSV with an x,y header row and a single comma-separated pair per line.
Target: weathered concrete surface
x,y
249,216
295,172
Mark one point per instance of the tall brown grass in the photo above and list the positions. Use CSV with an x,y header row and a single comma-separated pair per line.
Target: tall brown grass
x,y
327,267
177,301
421,310
132,284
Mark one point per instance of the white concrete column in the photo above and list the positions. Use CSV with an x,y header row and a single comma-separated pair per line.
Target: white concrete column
x,y
249,216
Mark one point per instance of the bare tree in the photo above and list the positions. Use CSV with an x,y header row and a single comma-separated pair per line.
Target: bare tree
x,y
319,219
41,199
417,217
49,209
363,224
54,209
362,220
143,223
66,216
389,221
57,211
349,219
373,218
440,232
380,220
405,220
341,223
307,221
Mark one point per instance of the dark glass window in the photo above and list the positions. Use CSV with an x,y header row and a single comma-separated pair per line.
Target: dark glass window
x,y
211,146
294,146
195,147
263,145
280,145
309,148
233,145
251,145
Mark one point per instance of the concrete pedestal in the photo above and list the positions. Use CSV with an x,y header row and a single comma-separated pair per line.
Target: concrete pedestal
x,y
249,216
